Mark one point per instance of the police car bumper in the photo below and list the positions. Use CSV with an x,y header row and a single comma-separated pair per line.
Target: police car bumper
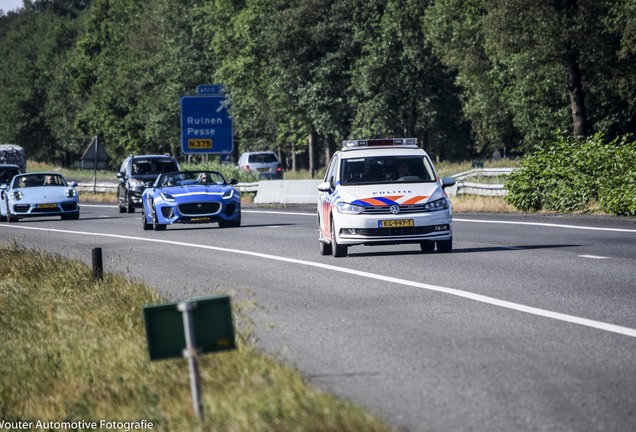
x,y
393,229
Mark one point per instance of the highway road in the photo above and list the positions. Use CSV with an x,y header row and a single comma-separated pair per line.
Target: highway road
x,y
529,325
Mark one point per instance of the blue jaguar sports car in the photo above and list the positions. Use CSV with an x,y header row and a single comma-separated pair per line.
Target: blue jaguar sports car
x,y
39,194
191,197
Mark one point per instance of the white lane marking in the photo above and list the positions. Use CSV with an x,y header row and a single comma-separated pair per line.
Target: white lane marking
x,y
451,291
454,220
594,257
546,225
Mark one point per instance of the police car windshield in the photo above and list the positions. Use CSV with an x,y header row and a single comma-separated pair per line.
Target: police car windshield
x,y
386,169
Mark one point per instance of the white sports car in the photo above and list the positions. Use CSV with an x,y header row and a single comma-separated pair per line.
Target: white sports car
x,y
38,195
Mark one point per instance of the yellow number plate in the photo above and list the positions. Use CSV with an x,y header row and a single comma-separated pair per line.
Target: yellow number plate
x,y
200,143
51,205
199,219
397,223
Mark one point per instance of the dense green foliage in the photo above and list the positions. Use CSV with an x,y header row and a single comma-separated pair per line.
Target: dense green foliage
x,y
467,77
559,178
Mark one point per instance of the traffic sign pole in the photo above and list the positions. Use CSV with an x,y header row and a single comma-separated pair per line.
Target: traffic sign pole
x,y
191,353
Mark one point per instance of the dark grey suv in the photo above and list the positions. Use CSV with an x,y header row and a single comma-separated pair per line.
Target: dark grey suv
x,y
136,174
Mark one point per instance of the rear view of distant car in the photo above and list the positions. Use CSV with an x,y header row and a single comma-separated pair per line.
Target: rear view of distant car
x,y
265,164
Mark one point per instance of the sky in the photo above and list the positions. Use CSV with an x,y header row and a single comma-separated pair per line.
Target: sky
x,y
10,5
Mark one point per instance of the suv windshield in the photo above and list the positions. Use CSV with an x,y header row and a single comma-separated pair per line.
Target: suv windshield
x,y
153,166
386,169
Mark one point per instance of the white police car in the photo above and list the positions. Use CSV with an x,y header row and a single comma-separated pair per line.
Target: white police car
x,y
383,191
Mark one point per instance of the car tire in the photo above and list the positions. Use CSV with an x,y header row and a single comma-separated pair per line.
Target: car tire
x,y
130,207
70,216
427,246
3,218
155,223
445,246
338,251
324,247
144,223
230,224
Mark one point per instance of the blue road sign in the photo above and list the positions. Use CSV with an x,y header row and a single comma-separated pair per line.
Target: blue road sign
x,y
206,126
210,89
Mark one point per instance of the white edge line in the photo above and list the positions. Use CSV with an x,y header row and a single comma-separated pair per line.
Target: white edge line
x,y
626,331
546,225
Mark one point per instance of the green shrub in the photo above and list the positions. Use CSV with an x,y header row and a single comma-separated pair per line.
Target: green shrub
x,y
571,174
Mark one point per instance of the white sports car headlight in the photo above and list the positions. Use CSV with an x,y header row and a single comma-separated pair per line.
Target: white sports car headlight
x,y
346,208
16,195
70,193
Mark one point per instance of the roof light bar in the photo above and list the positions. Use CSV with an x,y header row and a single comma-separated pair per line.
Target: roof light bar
x,y
378,142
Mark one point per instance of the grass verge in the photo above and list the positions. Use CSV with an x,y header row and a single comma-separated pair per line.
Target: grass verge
x,y
74,349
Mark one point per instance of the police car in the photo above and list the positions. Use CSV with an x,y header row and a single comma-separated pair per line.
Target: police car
x,y
383,191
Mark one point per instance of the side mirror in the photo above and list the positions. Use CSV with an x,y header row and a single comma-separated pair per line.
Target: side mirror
x,y
234,181
4,186
74,184
447,182
324,187
120,175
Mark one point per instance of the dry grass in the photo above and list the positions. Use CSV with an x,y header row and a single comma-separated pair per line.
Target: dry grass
x,y
72,348
481,204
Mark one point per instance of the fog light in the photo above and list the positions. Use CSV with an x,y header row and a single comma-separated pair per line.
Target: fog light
x,y
350,231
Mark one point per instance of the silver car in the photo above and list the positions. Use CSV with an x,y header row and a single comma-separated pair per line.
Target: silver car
x,y
264,164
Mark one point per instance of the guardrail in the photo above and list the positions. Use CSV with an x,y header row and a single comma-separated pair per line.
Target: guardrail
x,y
305,192
112,187
483,189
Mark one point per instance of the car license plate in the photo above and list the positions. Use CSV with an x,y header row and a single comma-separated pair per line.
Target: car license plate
x,y
396,223
48,205
262,169
200,219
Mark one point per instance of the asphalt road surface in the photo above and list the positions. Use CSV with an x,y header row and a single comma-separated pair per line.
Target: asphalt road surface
x,y
529,325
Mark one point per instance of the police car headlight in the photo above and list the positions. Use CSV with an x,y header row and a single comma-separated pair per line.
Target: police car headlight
x,y
167,196
346,208
440,204
70,193
136,182
228,194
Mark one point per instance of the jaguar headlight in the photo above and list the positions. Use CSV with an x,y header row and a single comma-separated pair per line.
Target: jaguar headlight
x,y
440,204
346,208
228,194
167,197
70,193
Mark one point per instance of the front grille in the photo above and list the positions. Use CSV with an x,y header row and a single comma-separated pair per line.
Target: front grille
x,y
21,208
395,232
45,210
195,209
415,208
